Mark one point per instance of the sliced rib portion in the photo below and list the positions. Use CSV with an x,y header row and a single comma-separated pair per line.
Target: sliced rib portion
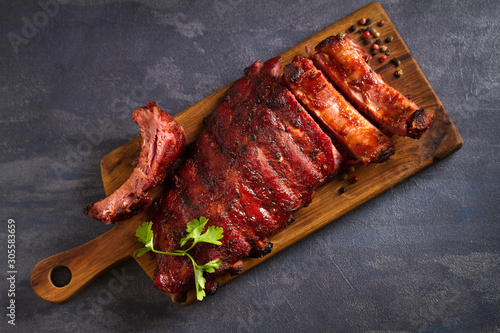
x,y
259,158
364,141
163,140
340,60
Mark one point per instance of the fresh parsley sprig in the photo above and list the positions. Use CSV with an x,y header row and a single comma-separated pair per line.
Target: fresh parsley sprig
x,y
212,235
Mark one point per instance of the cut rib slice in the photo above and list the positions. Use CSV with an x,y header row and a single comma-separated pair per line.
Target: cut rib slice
x,y
364,141
163,140
341,61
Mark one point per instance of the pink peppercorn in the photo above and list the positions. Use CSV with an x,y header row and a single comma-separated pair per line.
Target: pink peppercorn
x,y
381,23
376,46
355,179
366,34
383,58
362,20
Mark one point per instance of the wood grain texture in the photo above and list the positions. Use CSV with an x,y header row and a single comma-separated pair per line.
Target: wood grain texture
x,y
86,262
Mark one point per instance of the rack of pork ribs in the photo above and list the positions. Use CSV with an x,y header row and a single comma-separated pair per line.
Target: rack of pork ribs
x,y
276,137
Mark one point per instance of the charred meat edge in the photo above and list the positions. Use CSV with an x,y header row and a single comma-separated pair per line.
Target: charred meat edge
x,y
163,140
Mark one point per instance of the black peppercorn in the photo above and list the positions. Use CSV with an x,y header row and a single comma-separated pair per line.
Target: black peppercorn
x,y
369,28
378,41
368,21
352,28
342,190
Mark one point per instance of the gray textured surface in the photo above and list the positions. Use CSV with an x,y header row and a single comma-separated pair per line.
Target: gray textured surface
x,y
424,256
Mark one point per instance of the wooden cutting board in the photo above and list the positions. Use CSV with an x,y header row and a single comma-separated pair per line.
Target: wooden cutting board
x,y
89,260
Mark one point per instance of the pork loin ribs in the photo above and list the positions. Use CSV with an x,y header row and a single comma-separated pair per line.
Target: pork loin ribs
x,y
259,158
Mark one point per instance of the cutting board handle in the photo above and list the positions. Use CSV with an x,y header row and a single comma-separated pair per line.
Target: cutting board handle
x,y
85,262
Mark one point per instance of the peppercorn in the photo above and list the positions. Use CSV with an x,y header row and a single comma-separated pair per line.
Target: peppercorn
x,y
368,21
388,51
376,34
355,179
341,35
381,23
362,20
383,48
366,34
399,72
367,41
342,190
351,168
383,58
378,41
389,39
344,176
396,61
369,28
375,46
352,28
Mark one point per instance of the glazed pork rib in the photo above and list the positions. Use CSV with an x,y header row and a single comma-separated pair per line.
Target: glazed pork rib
x,y
259,158
163,140
364,142
341,61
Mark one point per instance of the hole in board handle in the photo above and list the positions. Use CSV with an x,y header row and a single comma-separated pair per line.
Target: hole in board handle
x,y
60,276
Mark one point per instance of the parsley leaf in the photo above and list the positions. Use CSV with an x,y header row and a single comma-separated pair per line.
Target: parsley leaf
x,y
195,232
199,280
212,235
210,266
139,252
144,235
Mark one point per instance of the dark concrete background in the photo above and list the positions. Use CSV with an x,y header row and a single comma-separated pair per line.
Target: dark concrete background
x,y
424,256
